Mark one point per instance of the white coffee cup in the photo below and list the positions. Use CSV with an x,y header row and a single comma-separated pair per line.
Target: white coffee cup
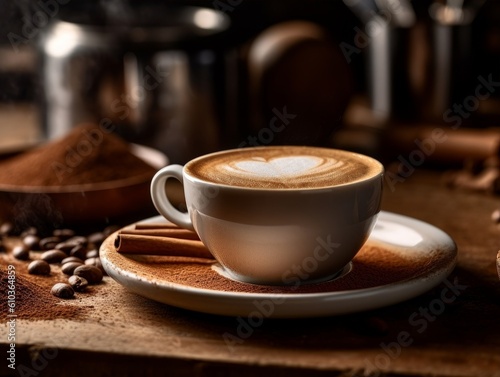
x,y
277,215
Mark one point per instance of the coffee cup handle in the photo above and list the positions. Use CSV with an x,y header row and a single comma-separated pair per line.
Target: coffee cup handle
x,y
161,201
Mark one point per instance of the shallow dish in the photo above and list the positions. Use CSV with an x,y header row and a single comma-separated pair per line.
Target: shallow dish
x,y
402,259
74,204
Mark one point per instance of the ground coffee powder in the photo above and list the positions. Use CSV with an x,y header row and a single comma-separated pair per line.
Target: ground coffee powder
x,y
33,297
88,154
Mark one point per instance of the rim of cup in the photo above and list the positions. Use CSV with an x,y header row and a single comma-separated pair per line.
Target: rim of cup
x,y
378,172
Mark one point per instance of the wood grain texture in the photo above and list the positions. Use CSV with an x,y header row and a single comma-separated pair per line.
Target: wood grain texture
x,y
121,334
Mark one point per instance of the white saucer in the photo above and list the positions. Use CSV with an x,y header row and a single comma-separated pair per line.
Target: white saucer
x,y
394,238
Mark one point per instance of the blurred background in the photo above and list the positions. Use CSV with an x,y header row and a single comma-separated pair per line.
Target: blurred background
x,y
191,77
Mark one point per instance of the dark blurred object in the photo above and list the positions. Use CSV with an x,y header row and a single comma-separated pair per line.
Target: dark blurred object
x,y
480,176
300,85
420,66
148,69
498,263
17,75
407,66
222,73
443,146
386,38
451,78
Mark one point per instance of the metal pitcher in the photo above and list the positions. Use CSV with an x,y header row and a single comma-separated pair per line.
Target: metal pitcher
x,y
150,70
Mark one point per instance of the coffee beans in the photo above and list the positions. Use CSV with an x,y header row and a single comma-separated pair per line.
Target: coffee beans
x,y
31,241
62,290
78,255
66,246
92,253
63,234
96,262
78,240
31,231
96,238
78,283
71,259
21,252
69,268
79,251
39,267
6,229
53,256
91,273
49,243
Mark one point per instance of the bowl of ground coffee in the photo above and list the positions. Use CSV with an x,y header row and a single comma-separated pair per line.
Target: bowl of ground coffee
x,y
90,174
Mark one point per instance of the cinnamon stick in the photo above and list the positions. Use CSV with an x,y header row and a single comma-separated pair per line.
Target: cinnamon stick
x,y
154,245
156,226
164,232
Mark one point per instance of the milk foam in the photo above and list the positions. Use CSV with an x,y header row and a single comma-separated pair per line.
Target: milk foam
x,y
291,166
283,167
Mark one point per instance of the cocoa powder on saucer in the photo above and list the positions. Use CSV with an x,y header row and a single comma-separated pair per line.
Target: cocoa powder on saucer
x,y
375,265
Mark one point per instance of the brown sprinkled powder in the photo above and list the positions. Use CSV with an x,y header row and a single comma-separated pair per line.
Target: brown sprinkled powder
x,y
375,265
33,297
87,154
34,301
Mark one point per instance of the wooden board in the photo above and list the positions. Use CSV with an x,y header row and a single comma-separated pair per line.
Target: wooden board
x,y
118,333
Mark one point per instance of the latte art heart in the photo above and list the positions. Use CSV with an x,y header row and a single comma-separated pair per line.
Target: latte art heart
x,y
291,166
282,167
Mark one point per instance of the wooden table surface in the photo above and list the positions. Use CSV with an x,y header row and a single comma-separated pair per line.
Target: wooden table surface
x,y
121,334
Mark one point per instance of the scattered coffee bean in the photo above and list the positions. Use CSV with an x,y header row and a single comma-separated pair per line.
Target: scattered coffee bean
x,y
7,229
69,268
62,290
79,251
65,246
78,240
63,234
109,230
96,262
92,253
53,256
32,242
71,243
31,231
72,259
78,283
39,267
21,252
49,243
495,216
96,238
91,273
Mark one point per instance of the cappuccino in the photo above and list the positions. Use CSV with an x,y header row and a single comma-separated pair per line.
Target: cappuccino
x,y
263,211
283,167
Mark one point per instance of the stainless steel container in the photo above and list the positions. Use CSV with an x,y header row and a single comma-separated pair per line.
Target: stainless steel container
x,y
152,71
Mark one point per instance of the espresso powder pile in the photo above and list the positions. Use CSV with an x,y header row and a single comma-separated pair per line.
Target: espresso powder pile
x,y
34,300
88,154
